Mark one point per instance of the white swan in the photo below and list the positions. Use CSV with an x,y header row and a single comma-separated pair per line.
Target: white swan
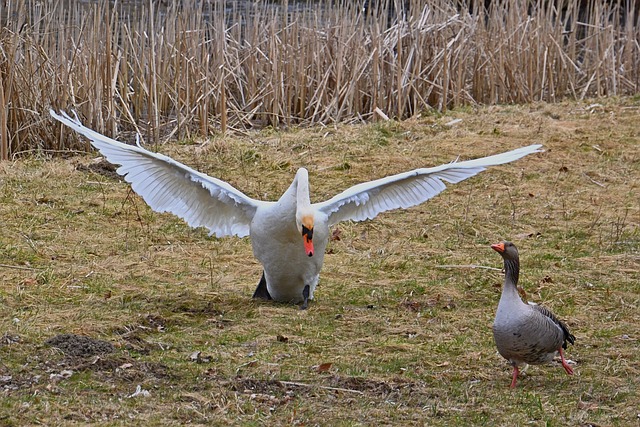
x,y
289,236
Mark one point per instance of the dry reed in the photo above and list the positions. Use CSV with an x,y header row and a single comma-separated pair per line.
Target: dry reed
x,y
197,67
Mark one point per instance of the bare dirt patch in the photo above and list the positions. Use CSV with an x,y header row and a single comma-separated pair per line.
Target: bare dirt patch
x,y
101,167
80,346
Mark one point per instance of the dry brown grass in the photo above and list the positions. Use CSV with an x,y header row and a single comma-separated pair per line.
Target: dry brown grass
x,y
408,339
195,68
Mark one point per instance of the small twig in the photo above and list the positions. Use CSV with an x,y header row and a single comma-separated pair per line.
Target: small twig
x,y
472,266
17,267
100,183
348,390
513,205
466,207
594,181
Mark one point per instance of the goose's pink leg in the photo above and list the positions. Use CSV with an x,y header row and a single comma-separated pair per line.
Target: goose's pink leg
x,y
565,365
516,371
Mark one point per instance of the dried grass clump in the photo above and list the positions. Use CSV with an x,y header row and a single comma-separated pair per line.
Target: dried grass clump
x,y
399,333
195,67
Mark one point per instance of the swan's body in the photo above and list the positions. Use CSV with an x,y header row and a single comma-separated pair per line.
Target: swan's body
x,y
285,262
525,333
289,236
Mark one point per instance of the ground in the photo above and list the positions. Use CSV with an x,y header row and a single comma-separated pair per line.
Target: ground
x,y
116,315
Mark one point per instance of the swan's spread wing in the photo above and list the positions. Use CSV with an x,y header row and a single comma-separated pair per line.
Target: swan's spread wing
x,y
366,200
169,186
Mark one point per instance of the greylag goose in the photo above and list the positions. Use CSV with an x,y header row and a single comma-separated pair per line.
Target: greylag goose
x,y
525,333
288,236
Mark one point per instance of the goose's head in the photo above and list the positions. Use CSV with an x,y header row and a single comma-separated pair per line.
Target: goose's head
x,y
305,227
507,249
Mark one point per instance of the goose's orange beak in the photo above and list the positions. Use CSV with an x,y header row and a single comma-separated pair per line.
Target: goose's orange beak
x,y
498,247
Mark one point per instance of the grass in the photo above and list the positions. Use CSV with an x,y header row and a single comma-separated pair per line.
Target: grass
x,y
399,332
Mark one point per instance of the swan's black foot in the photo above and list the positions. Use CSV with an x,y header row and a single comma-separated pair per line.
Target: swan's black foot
x,y
262,291
305,295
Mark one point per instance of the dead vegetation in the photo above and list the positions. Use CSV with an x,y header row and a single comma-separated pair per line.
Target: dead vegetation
x,y
399,332
194,68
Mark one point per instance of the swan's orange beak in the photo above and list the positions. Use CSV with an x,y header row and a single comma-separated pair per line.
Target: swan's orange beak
x,y
308,245
498,247
307,238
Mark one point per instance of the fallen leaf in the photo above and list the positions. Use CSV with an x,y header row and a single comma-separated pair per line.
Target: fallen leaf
x,y
249,364
411,305
198,357
432,302
28,282
451,304
522,292
522,236
323,367
587,406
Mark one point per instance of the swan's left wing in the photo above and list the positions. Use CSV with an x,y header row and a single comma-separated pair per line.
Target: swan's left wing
x,y
169,186
367,200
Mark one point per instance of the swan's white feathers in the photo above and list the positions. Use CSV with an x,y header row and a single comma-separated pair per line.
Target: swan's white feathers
x,y
404,190
169,186
202,201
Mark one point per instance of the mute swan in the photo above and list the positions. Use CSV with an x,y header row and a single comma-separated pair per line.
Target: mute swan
x,y
289,236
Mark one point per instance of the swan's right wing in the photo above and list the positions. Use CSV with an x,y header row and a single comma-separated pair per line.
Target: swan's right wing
x,y
366,200
169,186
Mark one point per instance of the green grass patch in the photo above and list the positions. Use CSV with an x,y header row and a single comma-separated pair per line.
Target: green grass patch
x,y
400,330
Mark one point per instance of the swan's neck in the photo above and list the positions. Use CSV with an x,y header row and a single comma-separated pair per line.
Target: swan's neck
x,y
303,200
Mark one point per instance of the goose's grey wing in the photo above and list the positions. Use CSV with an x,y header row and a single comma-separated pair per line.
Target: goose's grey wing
x,y
169,186
567,336
367,200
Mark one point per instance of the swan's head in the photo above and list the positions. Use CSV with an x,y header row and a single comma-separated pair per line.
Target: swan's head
x,y
305,227
304,211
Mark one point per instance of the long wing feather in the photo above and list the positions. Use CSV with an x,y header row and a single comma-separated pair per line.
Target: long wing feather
x,y
567,336
169,186
366,200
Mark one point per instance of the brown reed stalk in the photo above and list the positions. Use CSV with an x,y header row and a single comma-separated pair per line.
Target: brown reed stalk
x,y
196,67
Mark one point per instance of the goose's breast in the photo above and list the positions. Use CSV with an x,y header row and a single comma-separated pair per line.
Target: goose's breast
x,y
527,338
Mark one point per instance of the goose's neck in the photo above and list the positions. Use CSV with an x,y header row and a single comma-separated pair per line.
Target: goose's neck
x,y
511,272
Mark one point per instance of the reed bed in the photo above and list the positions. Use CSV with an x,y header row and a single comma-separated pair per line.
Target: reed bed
x,y
192,68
